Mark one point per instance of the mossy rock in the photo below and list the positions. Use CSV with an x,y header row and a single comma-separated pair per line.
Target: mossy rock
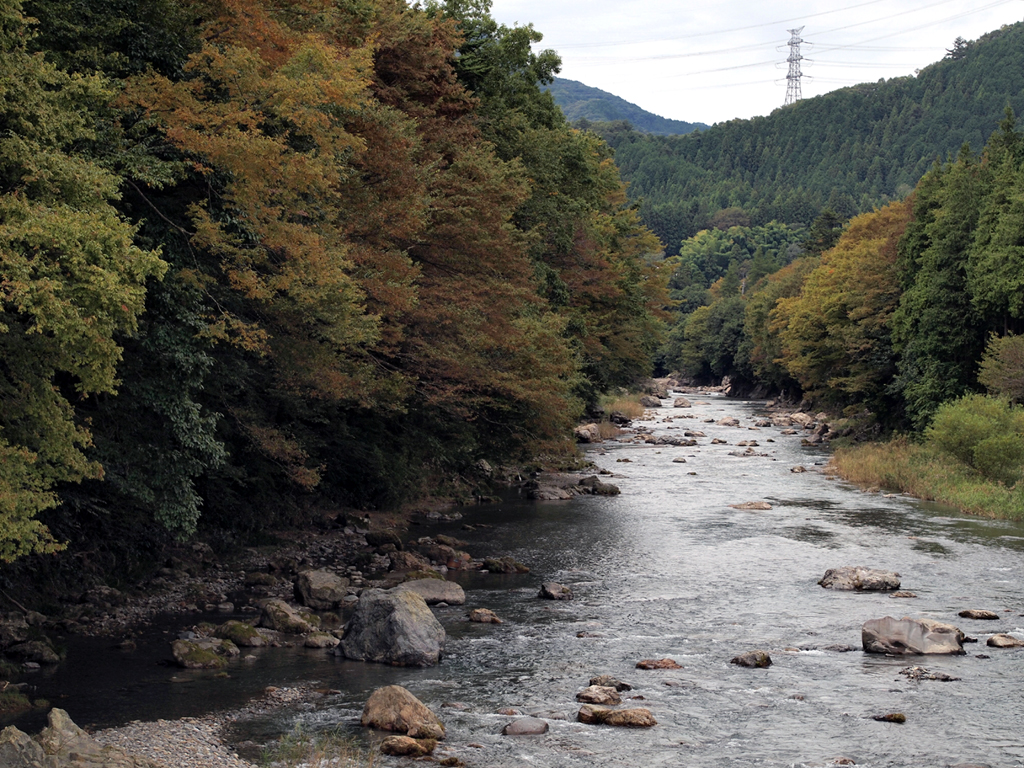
x,y
194,656
241,634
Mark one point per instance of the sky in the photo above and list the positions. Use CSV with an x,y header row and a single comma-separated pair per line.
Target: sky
x,y
716,60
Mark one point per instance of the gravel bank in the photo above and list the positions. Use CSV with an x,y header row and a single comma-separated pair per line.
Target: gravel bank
x,y
196,742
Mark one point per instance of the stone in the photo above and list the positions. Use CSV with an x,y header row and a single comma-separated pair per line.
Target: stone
x,y
752,505
526,726
972,613
758,659
728,421
608,681
484,616
658,664
394,708
638,717
548,493
321,590
594,486
321,640
903,594
504,565
434,591
393,628
408,561
892,717
39,651
649,401
1003,640
13,630
383,538
587,433
681,402
405,746
276,614
551,590
63,744
211,653
920,673
798,469
860,579
910,636
678,460
599,694
241,634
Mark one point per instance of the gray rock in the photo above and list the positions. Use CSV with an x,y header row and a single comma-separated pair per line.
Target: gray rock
x,y
629,718
210,653
39,651
1003,640
551,590
910,636
434,591
860,579
321,590
649,401
594,486
972,613
610,682
599,694
13,630
393,708
681,402
321,640
62,744
526,726
393,627
278,615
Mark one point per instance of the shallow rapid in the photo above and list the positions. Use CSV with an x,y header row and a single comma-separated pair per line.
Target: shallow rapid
x,y
669,569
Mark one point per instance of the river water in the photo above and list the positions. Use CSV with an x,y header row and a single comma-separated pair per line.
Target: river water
x,y
669,569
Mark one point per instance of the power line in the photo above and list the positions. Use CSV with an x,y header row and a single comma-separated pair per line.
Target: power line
x,y
793,92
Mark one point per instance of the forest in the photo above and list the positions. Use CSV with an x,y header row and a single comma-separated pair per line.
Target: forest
x,y
258,258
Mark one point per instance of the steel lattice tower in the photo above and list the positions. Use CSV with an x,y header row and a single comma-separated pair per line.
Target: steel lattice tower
x,y
793,76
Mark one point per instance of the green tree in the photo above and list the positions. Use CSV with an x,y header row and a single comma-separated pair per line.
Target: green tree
x,y
70,280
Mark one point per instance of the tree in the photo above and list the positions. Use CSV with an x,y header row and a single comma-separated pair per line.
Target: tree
x,y
70,280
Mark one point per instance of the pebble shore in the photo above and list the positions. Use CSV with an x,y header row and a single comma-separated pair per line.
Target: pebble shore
x,y
196,742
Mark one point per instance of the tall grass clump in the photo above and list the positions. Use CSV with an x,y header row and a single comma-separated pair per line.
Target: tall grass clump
x,y
319,749
628,405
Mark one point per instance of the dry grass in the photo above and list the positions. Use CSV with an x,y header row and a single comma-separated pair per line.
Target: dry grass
x,y
325,749
629,406
608,430
907,467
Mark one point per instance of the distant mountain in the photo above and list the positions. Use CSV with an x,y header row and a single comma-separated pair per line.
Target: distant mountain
x,y
848,150
581,102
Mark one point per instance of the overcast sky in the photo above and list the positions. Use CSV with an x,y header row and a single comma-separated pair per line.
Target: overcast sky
x,y
717,60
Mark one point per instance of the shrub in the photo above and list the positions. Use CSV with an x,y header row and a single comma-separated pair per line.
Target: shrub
x,y
985,433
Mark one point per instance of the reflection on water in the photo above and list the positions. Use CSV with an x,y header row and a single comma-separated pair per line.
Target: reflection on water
x,y
670,569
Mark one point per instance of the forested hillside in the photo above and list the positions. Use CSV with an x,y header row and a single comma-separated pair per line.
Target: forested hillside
x,y
257,257
903,310
846,151
580,102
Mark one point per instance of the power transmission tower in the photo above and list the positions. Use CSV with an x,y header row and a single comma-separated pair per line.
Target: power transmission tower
x,y
793,76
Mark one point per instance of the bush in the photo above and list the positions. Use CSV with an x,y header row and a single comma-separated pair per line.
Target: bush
x,y
985,433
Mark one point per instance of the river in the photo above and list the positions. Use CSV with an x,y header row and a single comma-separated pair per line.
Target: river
x,y
669,569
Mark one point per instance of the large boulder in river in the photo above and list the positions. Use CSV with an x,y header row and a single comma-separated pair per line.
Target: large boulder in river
x,y
393,627
393,708
552,590
649,401
861,579
587,433
435,591
321,590
910,636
